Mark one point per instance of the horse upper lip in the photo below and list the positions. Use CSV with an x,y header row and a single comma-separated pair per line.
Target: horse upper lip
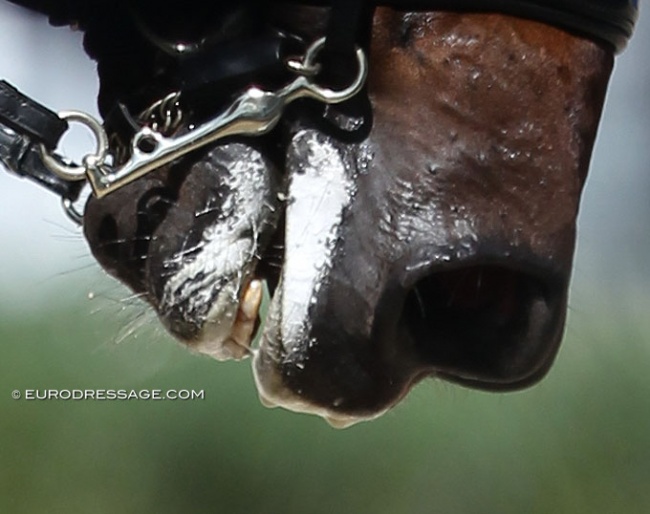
x,y
343,371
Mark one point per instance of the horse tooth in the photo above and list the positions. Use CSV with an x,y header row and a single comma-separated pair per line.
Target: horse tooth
x,y
249,308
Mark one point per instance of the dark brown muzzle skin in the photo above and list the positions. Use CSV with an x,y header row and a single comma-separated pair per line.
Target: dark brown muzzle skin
x,y
451,256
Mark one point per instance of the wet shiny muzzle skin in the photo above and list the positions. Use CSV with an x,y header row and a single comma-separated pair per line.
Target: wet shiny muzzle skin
x,y
476,161
360,351
482,135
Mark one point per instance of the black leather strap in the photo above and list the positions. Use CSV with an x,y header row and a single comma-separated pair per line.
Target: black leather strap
x,y
21,155
233,63
30,118
344,25
609,21
24,124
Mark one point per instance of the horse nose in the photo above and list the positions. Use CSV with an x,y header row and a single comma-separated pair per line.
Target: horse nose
x,y
413,286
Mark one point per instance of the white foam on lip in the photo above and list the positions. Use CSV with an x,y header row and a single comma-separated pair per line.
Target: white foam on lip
x,y
225,254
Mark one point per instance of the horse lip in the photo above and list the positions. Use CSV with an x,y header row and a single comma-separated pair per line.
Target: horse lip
x,y
273,394
321,189
209,333
203,256
278,354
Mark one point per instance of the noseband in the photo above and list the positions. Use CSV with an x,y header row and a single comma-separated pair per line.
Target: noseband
x,y
330,70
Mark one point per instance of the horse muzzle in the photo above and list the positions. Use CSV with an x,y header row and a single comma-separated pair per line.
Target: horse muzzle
x,y
386,281
439,246
378,279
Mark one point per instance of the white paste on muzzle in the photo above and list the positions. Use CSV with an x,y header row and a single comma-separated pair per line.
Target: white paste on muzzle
x,y
318,196
320,190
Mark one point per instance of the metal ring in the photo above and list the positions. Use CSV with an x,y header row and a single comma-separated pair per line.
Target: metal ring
x,y
333,96
73,172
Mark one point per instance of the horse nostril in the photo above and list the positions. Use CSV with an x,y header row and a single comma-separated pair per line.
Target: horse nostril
x,y
485,326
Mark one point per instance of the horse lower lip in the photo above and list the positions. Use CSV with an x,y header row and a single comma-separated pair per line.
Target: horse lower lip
x,y
202,257
237,344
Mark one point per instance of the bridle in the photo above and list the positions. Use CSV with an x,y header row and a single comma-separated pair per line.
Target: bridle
x,y
331,70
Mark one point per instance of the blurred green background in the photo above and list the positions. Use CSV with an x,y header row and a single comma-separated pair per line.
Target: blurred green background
x,y
579,442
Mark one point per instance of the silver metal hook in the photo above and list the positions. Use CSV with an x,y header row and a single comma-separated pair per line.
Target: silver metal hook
x,y
305,85
72,212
